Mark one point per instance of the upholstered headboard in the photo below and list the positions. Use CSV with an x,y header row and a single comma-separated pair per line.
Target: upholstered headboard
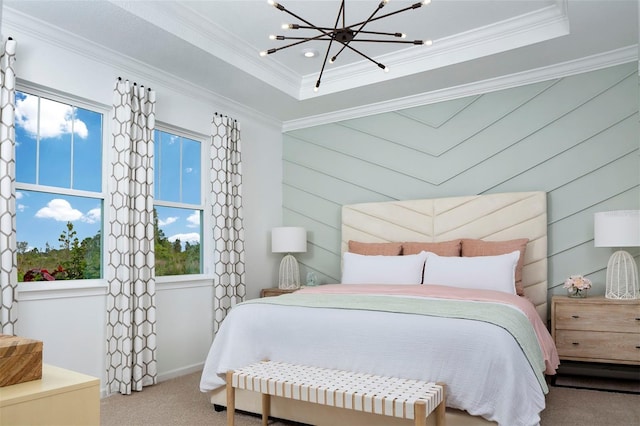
x,y
491,217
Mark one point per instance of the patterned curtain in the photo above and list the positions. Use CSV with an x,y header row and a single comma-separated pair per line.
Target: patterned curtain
x,y
131,312
228,229
8,259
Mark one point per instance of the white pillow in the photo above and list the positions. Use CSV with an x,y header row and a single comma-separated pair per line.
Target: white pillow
x,y
362,269
478,272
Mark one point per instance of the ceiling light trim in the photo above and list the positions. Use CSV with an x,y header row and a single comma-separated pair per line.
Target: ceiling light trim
x,y
591,63
530,28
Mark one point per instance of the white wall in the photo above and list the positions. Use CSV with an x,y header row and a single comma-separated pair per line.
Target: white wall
x,y
71,323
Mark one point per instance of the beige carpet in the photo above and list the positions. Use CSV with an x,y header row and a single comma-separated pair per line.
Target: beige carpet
x,y
180,402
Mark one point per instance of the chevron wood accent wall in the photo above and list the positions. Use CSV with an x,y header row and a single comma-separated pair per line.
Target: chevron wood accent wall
x,y
576,138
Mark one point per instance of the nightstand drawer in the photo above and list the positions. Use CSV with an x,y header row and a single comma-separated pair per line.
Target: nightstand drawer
x,y
592,317
597,345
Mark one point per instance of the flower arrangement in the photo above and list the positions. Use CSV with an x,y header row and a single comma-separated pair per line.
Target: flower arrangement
x,y
577,286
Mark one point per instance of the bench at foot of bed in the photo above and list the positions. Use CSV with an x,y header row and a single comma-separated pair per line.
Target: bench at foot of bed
x,y
388,396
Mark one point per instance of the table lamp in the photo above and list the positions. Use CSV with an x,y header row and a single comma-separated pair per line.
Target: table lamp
x,y
619,228
289,239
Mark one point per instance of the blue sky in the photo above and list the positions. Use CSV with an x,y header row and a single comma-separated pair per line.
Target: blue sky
x,y
60,146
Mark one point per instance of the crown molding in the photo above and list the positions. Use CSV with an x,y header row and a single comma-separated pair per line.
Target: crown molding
x,y
182,21
16,23
564,69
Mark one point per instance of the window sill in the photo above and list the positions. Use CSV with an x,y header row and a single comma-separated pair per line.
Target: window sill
x,y
40,290
177,282
61,289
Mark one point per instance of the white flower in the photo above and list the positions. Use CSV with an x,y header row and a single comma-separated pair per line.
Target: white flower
x,y
577,282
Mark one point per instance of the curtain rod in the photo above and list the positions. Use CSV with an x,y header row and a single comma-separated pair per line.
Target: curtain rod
x,y
134,83
223,115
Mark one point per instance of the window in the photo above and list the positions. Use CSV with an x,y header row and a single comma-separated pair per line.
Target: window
x,y
178,204
59,190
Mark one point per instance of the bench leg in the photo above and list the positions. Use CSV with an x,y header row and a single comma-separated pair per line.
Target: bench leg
x,y
266,408
420,413
231,400
440,409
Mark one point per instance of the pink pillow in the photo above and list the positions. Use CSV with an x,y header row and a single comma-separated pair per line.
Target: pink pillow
x,y
443,248
471,248
375,249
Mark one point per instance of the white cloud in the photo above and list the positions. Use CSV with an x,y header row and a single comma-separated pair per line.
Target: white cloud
x,y
188,169
19,195
59,210
21,207
192,237
194,219
56,119
92,215
167,221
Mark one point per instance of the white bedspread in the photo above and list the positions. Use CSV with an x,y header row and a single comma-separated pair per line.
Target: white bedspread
x,y
484,368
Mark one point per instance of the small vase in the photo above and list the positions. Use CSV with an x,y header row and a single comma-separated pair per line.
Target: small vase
x,y
574,292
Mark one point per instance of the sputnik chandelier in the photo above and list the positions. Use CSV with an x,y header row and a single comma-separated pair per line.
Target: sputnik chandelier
x,y
344,35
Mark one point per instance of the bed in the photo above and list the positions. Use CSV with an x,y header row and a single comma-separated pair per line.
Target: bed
x,y
441,331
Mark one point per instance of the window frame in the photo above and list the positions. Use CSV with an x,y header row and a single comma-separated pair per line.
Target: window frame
x,y
206,256
103,195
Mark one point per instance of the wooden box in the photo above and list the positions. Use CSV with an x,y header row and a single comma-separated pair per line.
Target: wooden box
x,y
20,360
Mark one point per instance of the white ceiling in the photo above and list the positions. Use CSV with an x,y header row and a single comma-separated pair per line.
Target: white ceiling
x,y
215,45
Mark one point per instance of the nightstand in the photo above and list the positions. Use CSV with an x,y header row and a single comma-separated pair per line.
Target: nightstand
x,y
268,292
596,329
61,397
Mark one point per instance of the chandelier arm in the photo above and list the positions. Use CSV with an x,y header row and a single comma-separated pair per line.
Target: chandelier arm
x,y
304,40
284,9
413,6
389,41
379,64
380,6
324,62
381,33
341,11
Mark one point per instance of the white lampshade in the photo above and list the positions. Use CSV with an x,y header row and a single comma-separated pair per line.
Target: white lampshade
x,y
288,239
619,228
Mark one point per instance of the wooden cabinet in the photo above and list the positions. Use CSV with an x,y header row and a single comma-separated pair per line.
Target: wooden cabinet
x,y
596,329
61,397
268,292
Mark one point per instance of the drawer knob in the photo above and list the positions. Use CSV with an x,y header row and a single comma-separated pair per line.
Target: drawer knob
x,y
578,316
575,343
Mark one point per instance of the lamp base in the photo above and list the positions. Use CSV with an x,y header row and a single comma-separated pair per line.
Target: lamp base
x,y
289,273
622,277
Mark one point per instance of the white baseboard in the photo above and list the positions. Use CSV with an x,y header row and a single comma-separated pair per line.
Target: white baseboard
x,y
178,372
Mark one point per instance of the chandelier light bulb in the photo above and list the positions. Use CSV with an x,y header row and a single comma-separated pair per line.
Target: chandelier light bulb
x,y
403,35
286,26
428,42
386,69
263,53
271,2
426,2
272,37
